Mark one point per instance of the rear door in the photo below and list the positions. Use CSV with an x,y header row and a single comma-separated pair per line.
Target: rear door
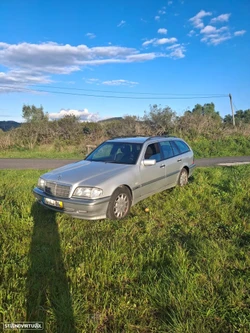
x,y
186,156
171,163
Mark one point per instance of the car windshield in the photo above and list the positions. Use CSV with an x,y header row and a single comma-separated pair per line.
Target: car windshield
x,y
116,152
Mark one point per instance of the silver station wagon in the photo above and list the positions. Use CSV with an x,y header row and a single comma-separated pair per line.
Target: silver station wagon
x,y
115,176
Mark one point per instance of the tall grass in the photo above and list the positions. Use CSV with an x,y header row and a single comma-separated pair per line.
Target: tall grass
x,y
182,266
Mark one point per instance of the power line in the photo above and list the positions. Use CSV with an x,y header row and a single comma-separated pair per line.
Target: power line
x,y
110,96
127,92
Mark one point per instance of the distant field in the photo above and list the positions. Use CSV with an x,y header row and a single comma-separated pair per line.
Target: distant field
x,y
182,267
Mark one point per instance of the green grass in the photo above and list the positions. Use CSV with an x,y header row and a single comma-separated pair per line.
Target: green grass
x,y
182,267
228,146
237,145
42,152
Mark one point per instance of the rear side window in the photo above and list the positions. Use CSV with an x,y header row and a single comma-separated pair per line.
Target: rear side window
x,y
183,147
175,148
166,149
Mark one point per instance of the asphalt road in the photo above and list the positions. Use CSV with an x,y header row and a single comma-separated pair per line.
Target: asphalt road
x,y
28,163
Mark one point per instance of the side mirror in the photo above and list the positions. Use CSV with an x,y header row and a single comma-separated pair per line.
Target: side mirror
x,y
148,162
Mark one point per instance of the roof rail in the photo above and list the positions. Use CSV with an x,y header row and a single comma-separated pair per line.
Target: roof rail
x,y
160,137
142,136
129,136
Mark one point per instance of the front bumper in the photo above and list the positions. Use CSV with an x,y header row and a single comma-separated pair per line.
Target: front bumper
x,y
88,209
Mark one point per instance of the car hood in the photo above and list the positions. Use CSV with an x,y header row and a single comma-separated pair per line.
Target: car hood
x,y
87,172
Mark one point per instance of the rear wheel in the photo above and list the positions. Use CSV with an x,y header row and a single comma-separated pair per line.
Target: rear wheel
x,y
119,204
183,177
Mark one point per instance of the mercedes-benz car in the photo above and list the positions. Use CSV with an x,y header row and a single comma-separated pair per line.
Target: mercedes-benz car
x,y
115,176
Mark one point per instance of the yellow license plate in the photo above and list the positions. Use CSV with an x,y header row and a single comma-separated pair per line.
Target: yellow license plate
x,y
54,203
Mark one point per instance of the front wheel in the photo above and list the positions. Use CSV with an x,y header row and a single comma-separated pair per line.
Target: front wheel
x,y
183,177
119,204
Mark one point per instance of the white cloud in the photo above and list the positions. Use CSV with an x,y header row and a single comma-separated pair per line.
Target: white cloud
x,y
197,19
208,29
162,31
84,114
210,34
239,33
92,81
120,82
90,35
213,36
162,11
173,46
30,64
177,51
148,42
144,57
191,33
18,80
157,18
121,24
160,41
221,18
18,77
217,37
170,3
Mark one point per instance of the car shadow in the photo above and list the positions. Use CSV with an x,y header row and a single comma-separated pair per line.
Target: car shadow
x,y
48,296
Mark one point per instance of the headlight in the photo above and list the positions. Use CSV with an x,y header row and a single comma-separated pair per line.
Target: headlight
x,y
87,192
41,183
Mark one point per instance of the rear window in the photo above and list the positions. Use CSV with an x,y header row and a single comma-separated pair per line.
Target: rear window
x,y
182,146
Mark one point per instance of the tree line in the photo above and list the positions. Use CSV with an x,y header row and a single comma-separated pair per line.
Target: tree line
x,y
203,121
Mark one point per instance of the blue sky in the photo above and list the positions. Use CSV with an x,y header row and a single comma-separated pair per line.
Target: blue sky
x,y
158,52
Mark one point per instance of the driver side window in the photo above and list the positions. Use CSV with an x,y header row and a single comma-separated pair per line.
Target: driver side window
x,y
153,152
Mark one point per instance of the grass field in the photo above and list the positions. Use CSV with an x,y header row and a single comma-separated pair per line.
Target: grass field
x,y
42,152
182,267
202,147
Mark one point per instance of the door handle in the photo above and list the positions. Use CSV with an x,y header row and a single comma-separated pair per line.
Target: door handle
x,y
179,160
162,166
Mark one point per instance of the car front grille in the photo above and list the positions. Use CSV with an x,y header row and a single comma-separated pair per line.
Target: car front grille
x,y
61,191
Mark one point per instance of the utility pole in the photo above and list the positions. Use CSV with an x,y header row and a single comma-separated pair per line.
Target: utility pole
x,y
232,108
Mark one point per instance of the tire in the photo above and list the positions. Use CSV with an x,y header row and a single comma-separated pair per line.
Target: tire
x,y
119,204
183,177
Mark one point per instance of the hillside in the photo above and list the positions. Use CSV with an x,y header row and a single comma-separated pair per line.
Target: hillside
x,y
8,125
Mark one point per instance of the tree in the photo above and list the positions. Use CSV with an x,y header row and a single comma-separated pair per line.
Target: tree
x,y
36,128
33,114
69,128
228,119
241,117
208,109
160,120
203,120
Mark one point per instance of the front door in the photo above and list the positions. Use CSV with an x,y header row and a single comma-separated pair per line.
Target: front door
x,y
153,176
